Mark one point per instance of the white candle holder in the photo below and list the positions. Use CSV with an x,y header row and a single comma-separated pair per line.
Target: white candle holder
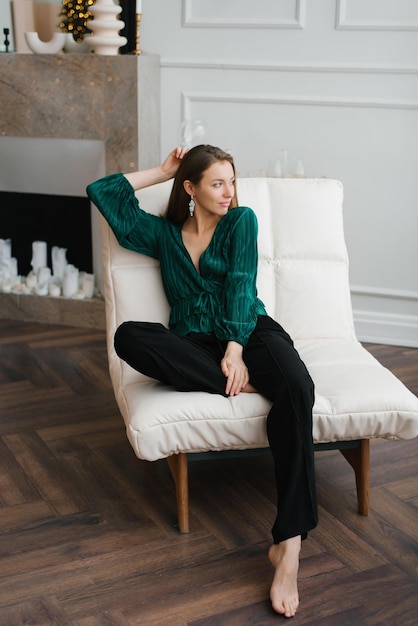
x,y
59,261
70,281
39,253
31,280
88,285
5,249
54,290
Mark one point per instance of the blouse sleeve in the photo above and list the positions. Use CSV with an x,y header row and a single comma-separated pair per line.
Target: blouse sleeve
x,y
240,292
134,229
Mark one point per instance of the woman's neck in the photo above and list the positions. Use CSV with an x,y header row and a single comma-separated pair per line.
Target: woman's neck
x,y
200,225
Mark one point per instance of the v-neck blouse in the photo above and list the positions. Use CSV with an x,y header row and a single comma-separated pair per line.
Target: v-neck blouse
x,y
222,298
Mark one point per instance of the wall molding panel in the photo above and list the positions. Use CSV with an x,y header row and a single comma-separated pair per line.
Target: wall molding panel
x,y
406,20
245,98
173,63
260,14
378,292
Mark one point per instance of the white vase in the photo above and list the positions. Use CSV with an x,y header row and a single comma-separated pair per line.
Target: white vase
x,y
105,27
53,46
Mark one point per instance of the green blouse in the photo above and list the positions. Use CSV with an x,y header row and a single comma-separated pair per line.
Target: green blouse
x,y
222,298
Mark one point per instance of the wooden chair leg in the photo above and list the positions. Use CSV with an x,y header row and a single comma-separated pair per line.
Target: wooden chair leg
x,y
178,467
359,459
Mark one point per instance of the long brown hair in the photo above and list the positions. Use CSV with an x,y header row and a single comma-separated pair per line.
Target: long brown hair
x,y
192,167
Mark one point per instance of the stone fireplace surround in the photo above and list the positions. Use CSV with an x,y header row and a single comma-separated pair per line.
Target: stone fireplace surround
x,y
66,120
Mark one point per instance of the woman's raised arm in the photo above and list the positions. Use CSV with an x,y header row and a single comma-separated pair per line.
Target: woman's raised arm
x,y
165,171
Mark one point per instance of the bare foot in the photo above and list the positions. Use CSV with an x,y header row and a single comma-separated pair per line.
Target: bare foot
x,y
284,557
249,389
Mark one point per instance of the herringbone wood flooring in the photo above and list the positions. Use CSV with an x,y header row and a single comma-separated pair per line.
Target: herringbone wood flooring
x,y
87,531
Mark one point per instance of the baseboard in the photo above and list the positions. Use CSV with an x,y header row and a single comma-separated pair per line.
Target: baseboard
x,y
386,328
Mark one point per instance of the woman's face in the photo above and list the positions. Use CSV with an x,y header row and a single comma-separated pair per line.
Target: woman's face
x,y
215,190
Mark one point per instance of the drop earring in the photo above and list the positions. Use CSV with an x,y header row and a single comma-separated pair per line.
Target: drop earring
x,y
191,206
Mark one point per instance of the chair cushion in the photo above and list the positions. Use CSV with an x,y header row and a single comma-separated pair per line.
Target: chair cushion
x,y
356,398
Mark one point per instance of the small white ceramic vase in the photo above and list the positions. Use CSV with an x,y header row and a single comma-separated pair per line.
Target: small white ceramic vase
x,y
105,27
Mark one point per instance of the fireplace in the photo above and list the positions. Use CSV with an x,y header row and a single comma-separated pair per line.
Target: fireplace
x,y
67,120
43,197
61,221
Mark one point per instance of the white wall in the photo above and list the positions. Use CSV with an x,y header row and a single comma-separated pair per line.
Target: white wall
x,y
6,22
336,83
39,15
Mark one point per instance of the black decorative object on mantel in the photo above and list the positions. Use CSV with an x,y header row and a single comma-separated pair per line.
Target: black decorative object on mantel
x,y
129,31
6,42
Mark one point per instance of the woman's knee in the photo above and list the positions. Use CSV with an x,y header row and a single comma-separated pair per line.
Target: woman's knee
x,y
134,338
300,382
122,337
127,336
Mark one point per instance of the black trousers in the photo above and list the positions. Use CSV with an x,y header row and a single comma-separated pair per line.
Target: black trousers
x,y
192,363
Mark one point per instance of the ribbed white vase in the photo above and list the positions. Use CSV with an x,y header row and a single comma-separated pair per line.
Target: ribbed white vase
x,y
105,27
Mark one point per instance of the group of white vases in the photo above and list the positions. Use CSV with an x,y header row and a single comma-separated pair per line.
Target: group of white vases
x,y
105,37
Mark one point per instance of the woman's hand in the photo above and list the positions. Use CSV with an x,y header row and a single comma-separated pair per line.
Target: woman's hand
x,y
172,162
234,368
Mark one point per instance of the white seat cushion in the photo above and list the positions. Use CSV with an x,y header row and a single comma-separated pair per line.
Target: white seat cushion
x,y
161,421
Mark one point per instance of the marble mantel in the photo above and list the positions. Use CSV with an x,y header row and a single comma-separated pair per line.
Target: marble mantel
x,y
114,99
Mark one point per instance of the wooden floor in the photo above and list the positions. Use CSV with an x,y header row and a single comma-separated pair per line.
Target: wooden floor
x,y
87,531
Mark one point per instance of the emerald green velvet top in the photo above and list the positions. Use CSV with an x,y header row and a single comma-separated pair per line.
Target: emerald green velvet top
x,y
222,297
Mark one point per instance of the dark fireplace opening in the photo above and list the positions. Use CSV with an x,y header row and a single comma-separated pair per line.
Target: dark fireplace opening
x,y
62,221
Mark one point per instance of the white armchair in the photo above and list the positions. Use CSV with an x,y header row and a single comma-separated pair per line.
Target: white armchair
x,y
303,281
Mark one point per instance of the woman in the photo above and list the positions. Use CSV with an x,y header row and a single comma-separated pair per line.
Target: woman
x,y
220,338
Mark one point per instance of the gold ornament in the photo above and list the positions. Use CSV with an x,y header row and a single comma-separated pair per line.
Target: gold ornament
x,y
74,16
